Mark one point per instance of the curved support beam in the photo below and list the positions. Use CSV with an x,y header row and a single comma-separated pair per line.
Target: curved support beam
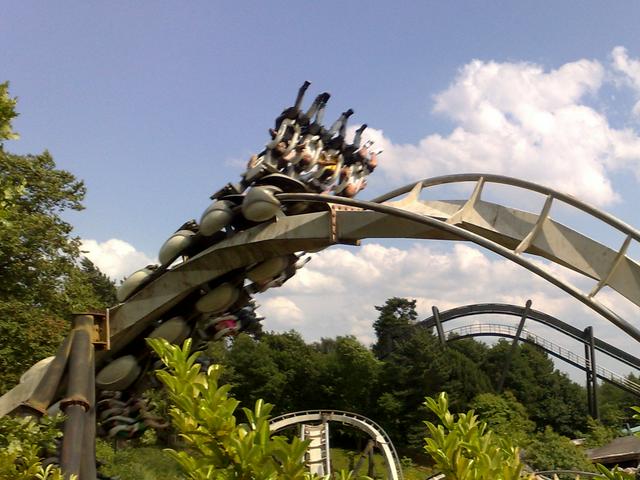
x,y
508,331
516,182
536,316
581,254
462,234
375,431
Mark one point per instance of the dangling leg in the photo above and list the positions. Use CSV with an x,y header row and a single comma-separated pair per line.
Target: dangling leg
x,y
292,113
319,101
340,123
301,93
316,128
358,137
343,128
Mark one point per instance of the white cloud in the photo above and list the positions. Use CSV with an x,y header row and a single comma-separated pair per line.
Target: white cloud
x,y
630,68
116,258
282,313
520,120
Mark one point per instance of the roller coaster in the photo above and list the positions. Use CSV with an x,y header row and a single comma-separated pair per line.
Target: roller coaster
x,y
296,197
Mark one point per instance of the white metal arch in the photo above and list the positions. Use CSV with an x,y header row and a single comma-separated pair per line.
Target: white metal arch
x,y
364,424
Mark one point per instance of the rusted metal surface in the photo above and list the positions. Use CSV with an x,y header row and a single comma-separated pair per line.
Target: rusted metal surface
x,y
45,392
78,442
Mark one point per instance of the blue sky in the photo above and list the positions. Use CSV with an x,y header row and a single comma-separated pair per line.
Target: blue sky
x,y
157,104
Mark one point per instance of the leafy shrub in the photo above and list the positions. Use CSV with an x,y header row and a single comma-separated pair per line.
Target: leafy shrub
x,y
552,451
464,449
137,463
22,442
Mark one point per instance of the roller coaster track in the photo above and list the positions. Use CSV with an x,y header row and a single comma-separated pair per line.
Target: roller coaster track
x,y
505,231
510,331
375,431
531,315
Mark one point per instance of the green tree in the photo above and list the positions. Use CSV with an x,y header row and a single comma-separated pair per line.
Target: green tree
x,y
103,287
549,396
7,113
41,282
504,415
549,450
420,366
349,376
395,320
252,371
598,434
614,404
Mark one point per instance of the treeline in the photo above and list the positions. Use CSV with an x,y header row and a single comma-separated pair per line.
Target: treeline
x,y
389,381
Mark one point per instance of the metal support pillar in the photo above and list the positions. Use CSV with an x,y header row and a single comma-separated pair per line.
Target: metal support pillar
x,y
592,385
514,345
45,393
587,356
436,317
363,456
78,443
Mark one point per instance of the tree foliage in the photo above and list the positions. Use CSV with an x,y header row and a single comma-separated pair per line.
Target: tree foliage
x,y
549,396
41,279
504,415
7,113
395,320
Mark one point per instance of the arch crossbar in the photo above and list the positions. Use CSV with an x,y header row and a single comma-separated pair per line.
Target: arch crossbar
x,y
536,316
615,269
350,228
364,424
578,361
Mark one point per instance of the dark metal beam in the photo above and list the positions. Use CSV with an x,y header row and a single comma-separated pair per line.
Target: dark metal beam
x,y
594,375
514,346
537,316
77,403
436,318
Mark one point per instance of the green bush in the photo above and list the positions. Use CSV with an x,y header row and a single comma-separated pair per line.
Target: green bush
x,y
464,449
551,451
22,443
137,463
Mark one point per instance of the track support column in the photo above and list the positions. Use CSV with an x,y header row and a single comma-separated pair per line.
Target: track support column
x,y
514,345
436,317
592,385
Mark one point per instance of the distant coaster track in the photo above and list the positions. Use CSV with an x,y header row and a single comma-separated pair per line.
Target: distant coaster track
x,y
531,315
364,424
510,331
